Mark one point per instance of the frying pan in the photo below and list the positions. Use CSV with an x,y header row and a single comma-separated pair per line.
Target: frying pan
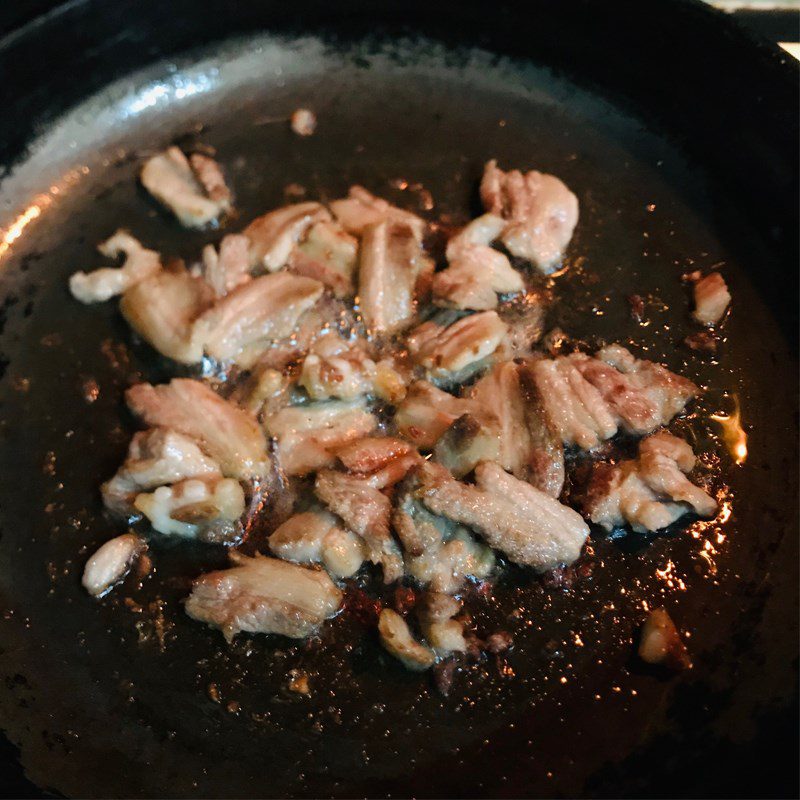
x,y
679,135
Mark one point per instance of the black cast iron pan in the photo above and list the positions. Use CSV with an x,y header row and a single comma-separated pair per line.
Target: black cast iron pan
x,y
679,135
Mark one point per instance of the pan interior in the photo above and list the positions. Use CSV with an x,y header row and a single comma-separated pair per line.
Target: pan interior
x,y
127,696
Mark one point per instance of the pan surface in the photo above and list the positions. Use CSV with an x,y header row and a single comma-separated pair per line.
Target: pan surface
x,y
128,697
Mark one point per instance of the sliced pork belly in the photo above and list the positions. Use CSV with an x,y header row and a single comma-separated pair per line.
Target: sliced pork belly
x,y
264,595
329,255
365,511
361,209
649,492
427,412
397,639
443,633
527,525
481,231
273,236
228,434
394,273
476,275
449,353
241,324
156,457
309,435
381,460
111,563
316,537
195,192
643,395
105,283
225,270
207,509
163,308
711,299
541,213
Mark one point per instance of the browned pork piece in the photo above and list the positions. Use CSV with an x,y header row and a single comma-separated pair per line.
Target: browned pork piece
x,y
454,352
427,412
397,639
207,509
107,282
472,438
163,308
264,595
481,231
394,273
476,275
361,208
661,643
438,553
241,324
527,525
156,457
315,537
308,435
365,511
226,269
337,368
649,492
329,255
711,299
273,236
641,394
381,460
195,192
529,447
303,121
443,633
541,213
228,434
111,563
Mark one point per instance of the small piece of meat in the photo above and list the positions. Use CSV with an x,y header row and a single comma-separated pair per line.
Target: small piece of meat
x,y
264,595
498,642
208,509
474,279
105,283
393,273
427,412
329,255
162,309
111,563
171,179
649,492
361,208
371,454
702,341
210,175
711,299
309,435
529,526
443,633
336,368
303,122
439,553
642,395
541,213
636,303
468,441
573,406
661,643
396,638
229,268
481,231
315,537
231,436
155,457
266,390
448,352
365,511
240,325
273,236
